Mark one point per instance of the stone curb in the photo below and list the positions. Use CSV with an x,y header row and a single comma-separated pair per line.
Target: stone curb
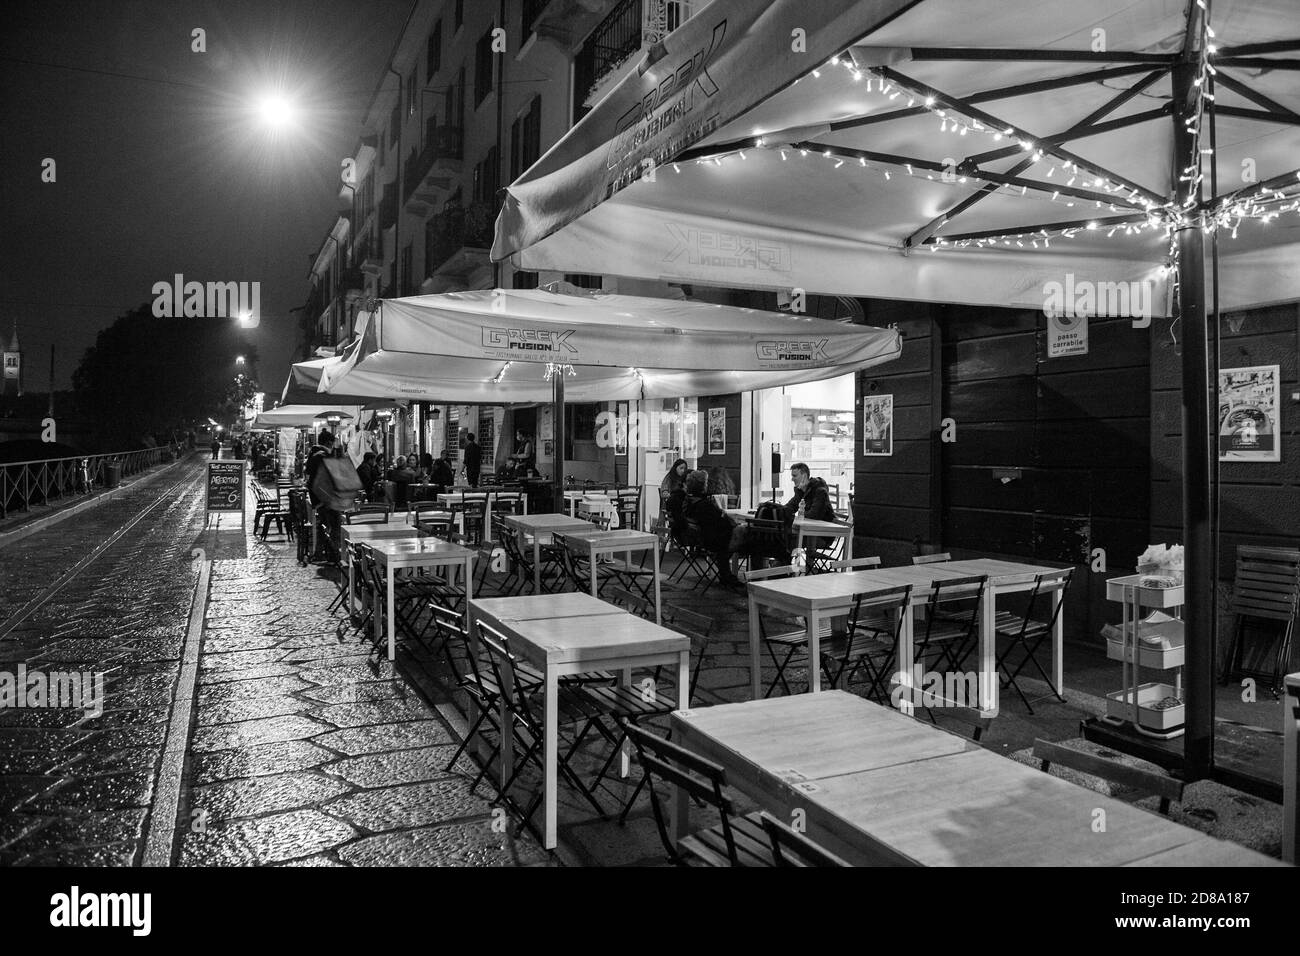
x,y
40,524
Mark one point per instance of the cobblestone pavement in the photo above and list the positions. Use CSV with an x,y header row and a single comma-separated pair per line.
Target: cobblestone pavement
x,y
305,747
73,790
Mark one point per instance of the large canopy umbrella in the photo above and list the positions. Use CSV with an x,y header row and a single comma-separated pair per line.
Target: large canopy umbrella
x,y
502,346
301,416
988,152
300,388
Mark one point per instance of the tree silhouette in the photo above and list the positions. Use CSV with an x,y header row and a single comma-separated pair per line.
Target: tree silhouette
x,y
148,376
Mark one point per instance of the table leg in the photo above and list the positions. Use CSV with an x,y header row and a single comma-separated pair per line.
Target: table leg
x,y
594,557
537,562
550,747
906,659
684,688
1058,642
392,625
988,680
755,671
352,583
814,652
658,599
469,580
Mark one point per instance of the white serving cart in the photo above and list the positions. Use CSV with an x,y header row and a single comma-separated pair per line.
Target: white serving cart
x,y
1149,637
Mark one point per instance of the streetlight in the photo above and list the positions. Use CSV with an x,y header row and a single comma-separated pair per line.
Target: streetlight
x,y
239,360
276,111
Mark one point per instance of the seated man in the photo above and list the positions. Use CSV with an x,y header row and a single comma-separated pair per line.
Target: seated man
x,y
815,499
717,533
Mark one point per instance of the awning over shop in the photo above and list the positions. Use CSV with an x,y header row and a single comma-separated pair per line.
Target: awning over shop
x,y
497,346
300,416
963,151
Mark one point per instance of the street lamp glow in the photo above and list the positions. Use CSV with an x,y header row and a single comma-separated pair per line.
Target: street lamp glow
x,y
239,360
275,111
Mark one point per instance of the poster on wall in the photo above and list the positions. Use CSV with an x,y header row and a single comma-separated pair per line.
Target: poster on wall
x,y
1067,335
1248,414
878,425
717,431
620,429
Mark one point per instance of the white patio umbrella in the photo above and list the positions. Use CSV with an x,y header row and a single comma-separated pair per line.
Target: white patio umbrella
x,y
301,416
986,152
500,347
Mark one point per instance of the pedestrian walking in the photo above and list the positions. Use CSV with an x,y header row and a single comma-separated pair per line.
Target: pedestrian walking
x,y
473,459
216,448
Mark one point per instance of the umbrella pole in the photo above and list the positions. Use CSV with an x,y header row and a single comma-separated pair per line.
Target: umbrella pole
x,y
1198,545
557,417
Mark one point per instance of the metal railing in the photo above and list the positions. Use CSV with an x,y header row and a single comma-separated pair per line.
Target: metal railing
x,y
24,483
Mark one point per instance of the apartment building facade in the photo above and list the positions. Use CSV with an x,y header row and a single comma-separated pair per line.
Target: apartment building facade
x,y
473,94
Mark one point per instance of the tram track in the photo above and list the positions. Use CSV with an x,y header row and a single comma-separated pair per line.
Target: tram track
x,y
71,574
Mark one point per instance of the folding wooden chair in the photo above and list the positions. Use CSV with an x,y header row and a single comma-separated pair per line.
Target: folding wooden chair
x,y
1266,589
735,841
525,714
1144,782
791,641
369,514
794,849
859,648
1027,631
931,558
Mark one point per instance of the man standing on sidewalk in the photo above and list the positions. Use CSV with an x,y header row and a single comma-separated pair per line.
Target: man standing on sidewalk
x,y
216,447
473,459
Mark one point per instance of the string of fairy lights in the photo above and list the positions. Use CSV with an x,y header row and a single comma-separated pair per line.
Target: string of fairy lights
x,y
1134,212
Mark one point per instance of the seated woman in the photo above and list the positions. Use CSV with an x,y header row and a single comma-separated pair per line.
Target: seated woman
x,y
717,532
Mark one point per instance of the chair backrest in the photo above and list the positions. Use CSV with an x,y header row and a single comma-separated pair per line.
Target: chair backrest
x,y
794,849
367,515
675,765
764,574
625,598
881,601
448,623
1267,583
965,589
1044,585
931,558
833,492
855,564
501,663
1146,782
765,536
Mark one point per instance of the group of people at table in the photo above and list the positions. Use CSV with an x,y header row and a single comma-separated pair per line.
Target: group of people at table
x,y
695,516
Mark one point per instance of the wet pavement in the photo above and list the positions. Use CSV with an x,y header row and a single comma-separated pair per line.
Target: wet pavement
x,y
302,745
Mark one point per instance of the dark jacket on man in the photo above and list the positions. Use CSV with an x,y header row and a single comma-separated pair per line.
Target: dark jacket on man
x,y
368,474
715,527
315,456
473,458
816,498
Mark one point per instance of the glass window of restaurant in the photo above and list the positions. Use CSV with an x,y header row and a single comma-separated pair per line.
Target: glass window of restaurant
x,y
811,423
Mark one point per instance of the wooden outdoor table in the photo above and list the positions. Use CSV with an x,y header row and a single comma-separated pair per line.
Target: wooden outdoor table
x,y
812,528
877,787
595,543
819,597
539,527
564,604
485,498
573,496
418,553
371,531
558,646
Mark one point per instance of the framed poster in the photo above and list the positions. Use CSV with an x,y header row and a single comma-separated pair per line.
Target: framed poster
x,y
1249,414
620,428
717,432
878,425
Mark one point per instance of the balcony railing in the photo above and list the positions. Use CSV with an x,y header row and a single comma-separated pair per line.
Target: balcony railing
x,y
24,483
616,38
440,143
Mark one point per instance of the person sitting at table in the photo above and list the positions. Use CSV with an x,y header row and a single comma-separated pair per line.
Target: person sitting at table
x,y
714,530
367,472
440,473
815,497
524,456
399,479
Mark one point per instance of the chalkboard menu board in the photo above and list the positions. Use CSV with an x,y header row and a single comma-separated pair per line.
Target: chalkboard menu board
x,y
226,486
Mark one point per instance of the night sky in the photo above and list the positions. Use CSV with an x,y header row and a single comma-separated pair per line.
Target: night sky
x,y
164,166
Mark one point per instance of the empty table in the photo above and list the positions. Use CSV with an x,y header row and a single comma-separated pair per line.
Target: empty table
x,y
418,553
539,527
819,597
557,646
370,531
877,787
594,543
